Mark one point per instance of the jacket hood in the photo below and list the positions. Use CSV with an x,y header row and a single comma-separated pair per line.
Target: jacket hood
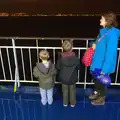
x,y
69,59
117,31
67,54
42,67
113,30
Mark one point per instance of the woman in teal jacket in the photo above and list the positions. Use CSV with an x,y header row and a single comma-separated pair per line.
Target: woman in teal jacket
x,y
105,54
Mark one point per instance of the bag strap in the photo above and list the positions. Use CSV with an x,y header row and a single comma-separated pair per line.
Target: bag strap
x,y
102,37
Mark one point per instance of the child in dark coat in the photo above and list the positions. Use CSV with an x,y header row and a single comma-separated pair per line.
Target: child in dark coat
x,y
67,67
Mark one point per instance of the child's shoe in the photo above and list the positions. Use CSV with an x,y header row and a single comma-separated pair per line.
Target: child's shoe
x,y
43,102
65,105
50,102
72,105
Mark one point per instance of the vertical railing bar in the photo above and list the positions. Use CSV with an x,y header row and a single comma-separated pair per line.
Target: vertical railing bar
x,y
9,64
85,69
54,55
2,65
17,81
117,68
37,50
79,66
23,66
30,64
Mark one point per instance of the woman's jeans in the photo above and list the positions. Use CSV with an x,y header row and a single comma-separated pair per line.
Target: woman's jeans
x,y
100,88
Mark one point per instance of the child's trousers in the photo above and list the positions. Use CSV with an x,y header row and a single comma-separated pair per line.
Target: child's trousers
x,y
46,96
69,91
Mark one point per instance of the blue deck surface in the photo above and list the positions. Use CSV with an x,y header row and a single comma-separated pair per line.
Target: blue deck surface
x,y
26,105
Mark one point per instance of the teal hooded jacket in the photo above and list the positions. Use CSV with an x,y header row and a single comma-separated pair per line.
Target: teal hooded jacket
x,y
105,55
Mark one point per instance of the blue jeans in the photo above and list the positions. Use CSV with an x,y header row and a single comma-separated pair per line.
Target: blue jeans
x,y
46,96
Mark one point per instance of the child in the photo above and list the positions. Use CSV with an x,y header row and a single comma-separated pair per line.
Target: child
x,y
105,55
45,72
67,67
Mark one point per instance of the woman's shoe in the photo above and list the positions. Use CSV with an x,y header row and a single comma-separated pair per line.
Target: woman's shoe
x,y
99,101
94,95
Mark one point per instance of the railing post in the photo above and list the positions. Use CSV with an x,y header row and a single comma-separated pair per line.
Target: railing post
x,y
17,81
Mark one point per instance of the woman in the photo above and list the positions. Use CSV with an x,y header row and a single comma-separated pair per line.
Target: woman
x,y
105,55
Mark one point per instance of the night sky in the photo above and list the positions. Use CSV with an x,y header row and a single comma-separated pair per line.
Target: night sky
x,y
62,6
52,25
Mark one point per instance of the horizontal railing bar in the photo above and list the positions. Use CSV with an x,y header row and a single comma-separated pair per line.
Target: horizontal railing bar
x,y
7,80
40,47
80,48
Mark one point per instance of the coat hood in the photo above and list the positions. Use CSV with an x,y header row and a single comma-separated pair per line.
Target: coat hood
x,y
113,30
117,31
41,67
69,59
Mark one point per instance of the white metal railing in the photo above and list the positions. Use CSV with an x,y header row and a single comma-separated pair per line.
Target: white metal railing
x,y
14,68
